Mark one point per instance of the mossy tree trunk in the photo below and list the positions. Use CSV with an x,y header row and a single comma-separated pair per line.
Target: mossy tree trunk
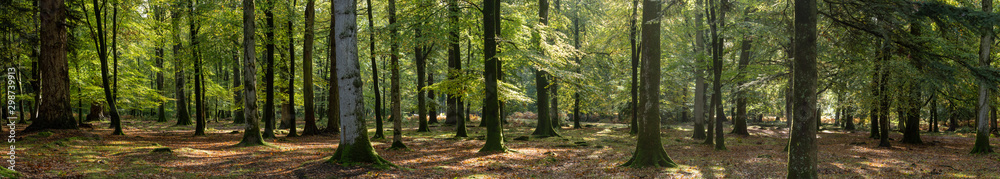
x,y
982,145
354,145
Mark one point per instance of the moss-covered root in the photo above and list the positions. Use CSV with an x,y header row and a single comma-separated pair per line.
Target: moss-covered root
x,y
982,145
655,158
356,156
7,173
397,145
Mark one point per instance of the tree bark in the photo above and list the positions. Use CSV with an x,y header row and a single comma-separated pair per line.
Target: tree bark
x,y
199,92
307,72
354,145
183,117
718,23
375,72
333,94
251,131
739,121
544,126
269,119
699,77
421,64
54,109
288,73
633,104
491,100
982,145
802,149
649,147
397,115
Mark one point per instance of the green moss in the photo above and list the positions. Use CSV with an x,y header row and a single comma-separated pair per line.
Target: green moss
x,y
44,134
7,173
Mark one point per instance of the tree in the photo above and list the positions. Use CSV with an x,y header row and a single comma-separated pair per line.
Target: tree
x,y
160,112
288,108
54,110
269,29
199,80
576,45
421,63
183,117
354,145
633,104
699,76
378,96
544,127
802,146
982,145
333,94
251,131
98,32
717,42
740,120
649,149
491,102
455,70
397,127
307,71
238,117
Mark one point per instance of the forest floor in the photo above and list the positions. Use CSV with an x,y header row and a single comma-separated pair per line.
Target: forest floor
x,y
592,152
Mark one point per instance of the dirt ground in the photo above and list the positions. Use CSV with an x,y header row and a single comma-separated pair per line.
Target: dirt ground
x,y
592,152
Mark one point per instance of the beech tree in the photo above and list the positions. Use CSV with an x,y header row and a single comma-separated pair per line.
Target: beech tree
x,y
251,130
802,148
649,149
354,145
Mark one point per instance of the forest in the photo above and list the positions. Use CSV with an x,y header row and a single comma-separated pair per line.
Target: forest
x,y
499,88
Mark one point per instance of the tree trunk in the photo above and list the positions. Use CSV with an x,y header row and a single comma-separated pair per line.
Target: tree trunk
x,y
802,147
432,110
397,115
982,145
720,116
544,126
288,73
421,64
199,92
699,77
238,117
576,45
491,100
739,121
378,95
633,104
251,131
333,94
883,102
354,145
649,149
307,72
269,119
160,116
183,117
54,110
